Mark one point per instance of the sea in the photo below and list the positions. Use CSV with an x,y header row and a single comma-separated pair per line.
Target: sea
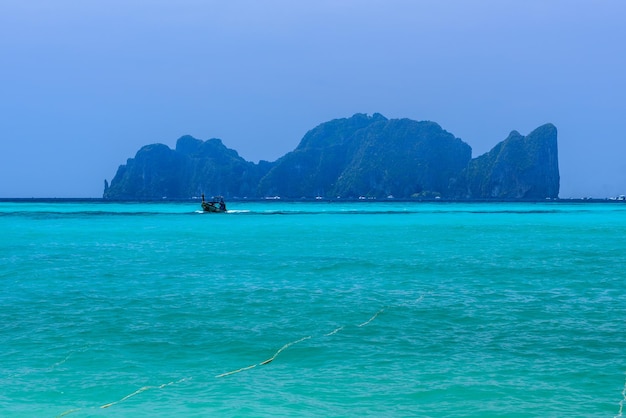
x,y
312,309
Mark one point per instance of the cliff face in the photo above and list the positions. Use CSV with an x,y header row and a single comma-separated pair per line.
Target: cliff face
x,y
517,168
156,169
193,168
351,157
370,156
316,163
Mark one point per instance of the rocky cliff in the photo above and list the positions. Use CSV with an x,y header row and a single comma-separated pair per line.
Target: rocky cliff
x,y
350,157
520,167
369,156
193,168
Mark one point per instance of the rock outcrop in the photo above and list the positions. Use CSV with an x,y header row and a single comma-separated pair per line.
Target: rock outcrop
x,y
369,156
520,167
351,157
193,168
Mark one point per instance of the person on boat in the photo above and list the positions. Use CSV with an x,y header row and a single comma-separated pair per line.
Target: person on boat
x,y
222,204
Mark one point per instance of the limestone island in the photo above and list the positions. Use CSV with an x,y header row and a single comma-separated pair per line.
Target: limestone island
x,y
350,158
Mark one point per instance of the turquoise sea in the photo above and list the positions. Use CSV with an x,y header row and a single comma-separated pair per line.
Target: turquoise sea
x,y
312,309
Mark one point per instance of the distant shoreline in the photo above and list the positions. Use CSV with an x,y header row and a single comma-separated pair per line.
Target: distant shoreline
x,y
312,200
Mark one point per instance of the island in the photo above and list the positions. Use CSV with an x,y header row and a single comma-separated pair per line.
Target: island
x,y
360,156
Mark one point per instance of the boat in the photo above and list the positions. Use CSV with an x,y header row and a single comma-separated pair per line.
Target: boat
x,y
216,205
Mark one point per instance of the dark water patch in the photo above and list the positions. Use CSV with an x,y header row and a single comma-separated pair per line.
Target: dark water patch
x,y
64,215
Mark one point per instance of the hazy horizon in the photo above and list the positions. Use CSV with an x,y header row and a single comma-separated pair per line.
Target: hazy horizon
x,y
86,85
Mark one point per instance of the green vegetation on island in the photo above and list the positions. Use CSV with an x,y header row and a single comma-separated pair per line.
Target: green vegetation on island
x,y
362,155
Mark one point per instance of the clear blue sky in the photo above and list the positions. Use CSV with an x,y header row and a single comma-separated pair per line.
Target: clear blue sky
x,y
85,84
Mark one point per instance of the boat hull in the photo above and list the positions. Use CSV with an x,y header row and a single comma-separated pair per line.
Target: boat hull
x,y
211,208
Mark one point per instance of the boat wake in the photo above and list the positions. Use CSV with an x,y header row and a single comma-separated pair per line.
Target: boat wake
x,y
235,211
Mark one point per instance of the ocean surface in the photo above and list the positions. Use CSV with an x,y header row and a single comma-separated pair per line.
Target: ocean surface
x,y
314,309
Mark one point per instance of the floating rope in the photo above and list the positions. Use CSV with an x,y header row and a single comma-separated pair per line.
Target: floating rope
x,y
333,332
371,319
137,392
143,389
263,363
237,371
68,412
281,349
284,347
621,403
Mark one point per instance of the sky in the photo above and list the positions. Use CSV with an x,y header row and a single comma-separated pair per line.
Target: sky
x,y
85,84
